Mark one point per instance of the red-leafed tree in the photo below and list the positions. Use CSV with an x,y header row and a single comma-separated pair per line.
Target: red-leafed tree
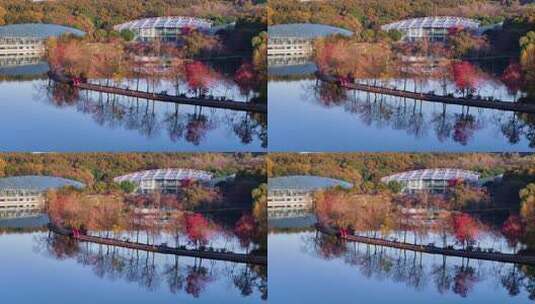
x,y
465,228
199,77
513,229
513,78
245,77
466,77
198,228
245,229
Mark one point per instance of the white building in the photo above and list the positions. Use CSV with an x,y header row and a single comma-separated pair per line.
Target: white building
x,y
26,193
296,40
27,39
294,193
431,28
168,28
432,180
165,180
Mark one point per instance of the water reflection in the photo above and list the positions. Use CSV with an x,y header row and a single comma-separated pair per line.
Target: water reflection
x,y
419,271
354,269
182,122
325,108
152,271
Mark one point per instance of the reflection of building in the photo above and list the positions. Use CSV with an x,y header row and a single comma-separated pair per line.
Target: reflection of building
x,y
28,39
166,28
165,180
432,28
287,40
292,193
432,180
26,193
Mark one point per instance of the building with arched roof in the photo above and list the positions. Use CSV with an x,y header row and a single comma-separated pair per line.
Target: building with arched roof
x,y
295,40
164,180
295,192
27,40
435,28
432,180
167,28
26,193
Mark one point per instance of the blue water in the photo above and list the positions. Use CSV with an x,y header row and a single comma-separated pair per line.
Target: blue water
x,y
30,120
300,120
299,272
30,272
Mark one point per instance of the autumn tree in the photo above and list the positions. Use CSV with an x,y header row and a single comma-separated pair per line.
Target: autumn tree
x,y
513,229
200,77
465,228
245,229
466,77
198,228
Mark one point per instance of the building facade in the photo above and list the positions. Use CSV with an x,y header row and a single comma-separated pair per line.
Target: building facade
x,y
432,180
287,40
167,181
295,194
436,29
165,28
28,39
21,47
21,200
289,200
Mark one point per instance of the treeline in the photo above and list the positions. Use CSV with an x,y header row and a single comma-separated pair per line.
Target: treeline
x,y
359,14
366,169
97,170
94,15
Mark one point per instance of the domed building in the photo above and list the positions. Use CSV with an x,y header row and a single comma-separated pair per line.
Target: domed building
x,y
21,43
432,28
26,193
295,192
432,180
164,180
168,28
295,40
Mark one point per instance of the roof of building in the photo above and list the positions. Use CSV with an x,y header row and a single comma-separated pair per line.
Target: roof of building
x,y
305,183
433,174
37,30
165,22
305,30
165,174
432,22
36,183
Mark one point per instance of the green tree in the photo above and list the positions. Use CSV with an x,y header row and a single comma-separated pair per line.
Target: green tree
x,y
127,35
127,186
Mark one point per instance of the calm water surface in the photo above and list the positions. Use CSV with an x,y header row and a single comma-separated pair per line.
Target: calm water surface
x,y
304,116
321,270
59,271
36,118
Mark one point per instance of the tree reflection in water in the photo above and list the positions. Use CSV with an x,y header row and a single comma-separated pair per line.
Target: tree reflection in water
x,y
459,276
458,123
150,117
150,270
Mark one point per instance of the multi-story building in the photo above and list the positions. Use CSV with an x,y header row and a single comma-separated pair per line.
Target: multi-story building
x,y
27,40
294,193
26,193
296,40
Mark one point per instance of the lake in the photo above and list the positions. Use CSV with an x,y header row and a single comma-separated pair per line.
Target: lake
x,y
57,268
37,116
319,269
306,115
